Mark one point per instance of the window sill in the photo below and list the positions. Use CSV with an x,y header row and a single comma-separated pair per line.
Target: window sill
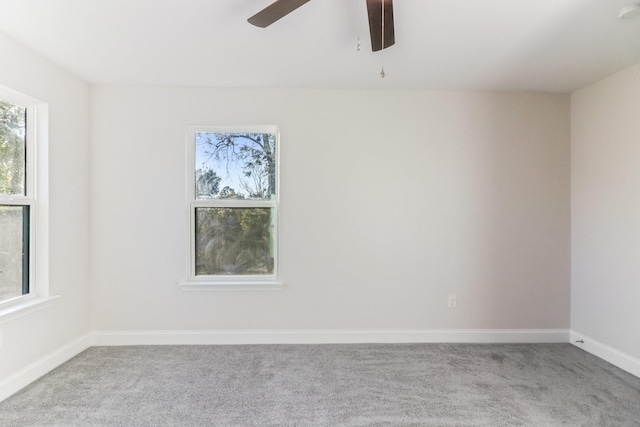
x,y
274,285
13,312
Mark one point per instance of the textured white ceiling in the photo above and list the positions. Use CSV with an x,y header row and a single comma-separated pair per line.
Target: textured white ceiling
x,y
542,45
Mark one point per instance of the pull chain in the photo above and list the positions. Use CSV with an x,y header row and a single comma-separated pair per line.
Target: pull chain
x,y
382,70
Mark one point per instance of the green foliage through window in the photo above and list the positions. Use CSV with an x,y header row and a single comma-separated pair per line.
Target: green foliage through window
x,y
234,241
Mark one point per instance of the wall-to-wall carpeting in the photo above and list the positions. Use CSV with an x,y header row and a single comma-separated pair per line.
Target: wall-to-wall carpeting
x,y
330,385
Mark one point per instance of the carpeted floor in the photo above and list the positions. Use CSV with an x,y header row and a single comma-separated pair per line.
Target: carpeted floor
x,y
330,385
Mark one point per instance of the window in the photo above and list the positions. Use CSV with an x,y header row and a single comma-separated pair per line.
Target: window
x,y
17,210
233,197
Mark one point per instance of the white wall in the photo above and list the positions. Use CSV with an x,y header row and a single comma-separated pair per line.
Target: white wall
x,y
32,337
605,198
390,201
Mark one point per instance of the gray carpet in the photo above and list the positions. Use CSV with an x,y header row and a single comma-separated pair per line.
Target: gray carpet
x,y
330,385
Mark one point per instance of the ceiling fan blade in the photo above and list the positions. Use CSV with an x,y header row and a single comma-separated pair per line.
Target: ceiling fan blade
x,y
374,9
275,11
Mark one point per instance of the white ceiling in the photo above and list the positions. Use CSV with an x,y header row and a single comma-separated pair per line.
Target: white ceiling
x,y
543,45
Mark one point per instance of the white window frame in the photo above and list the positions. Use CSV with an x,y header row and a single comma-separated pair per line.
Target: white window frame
x,y
36,197
230,282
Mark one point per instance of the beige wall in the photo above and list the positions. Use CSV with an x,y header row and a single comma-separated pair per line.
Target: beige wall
x,y
27,339
391,200
605,199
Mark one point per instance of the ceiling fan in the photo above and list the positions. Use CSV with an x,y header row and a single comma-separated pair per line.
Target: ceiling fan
x,y
380,19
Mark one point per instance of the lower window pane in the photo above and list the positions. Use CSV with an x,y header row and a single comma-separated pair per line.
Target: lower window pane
x,y
14,251
234,241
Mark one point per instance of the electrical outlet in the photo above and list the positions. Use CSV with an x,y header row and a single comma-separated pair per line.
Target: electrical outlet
x,y
452,301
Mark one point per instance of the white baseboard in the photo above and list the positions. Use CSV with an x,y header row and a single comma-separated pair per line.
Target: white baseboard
x,y
116,338
27,375
605,352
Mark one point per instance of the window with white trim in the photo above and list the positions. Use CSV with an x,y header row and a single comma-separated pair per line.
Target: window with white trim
x,y
233,204
17,201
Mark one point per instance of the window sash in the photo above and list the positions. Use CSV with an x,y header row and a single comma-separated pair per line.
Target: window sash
x,y
191,155
233,203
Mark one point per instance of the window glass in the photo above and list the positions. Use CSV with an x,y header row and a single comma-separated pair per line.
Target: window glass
x,y
235,165
234,241
234,204
12,149
14,251
14,203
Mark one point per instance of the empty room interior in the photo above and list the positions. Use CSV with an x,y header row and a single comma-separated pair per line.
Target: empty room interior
x,y
325,212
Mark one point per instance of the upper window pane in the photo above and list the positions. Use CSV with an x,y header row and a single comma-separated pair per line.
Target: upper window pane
x,y
12,149
235,165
